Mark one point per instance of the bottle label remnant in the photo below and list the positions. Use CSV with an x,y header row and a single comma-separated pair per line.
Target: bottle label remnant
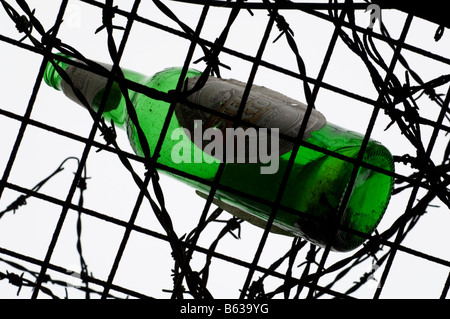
x,y
88,83
264,108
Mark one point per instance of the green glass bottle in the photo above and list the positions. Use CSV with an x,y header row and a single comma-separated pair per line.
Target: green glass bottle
x,y
192,144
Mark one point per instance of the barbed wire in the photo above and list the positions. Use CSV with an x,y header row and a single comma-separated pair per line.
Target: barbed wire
x,y
392,92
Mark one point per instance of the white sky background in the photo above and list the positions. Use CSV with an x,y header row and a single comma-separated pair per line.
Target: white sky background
x,y
146,265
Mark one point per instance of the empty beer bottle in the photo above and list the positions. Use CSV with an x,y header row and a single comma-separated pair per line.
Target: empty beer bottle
x,y
197,141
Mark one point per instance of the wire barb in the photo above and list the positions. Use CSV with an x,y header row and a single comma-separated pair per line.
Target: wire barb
x,y
108,15
401,99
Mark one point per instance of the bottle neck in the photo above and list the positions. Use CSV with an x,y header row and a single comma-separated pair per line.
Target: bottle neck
x,y
51,76
90,88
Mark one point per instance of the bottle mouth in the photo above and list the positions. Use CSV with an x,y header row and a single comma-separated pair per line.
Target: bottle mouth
x,y
51,75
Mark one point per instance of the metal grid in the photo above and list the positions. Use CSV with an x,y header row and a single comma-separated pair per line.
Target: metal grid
x,y
396,97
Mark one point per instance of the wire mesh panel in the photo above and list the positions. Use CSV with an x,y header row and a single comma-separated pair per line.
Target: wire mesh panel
x,y
83,216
